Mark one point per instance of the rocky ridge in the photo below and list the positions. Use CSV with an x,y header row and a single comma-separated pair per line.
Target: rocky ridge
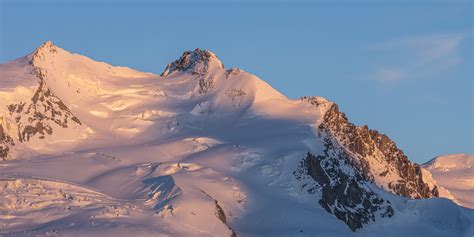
x,y
39,115
376,156
350,167
197,63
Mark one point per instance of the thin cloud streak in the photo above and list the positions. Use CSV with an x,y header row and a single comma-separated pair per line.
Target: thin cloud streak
x,y
417,57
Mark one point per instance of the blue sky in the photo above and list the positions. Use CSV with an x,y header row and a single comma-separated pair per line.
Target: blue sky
x,y
403,67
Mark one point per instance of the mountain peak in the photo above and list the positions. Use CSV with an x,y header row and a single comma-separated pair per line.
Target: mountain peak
x,y
197,62
46,47
44,51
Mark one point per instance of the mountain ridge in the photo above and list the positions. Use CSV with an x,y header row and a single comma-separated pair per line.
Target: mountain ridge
x,y
194,113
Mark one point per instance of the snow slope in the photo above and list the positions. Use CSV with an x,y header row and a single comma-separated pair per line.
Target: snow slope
x,y
456,174
199,151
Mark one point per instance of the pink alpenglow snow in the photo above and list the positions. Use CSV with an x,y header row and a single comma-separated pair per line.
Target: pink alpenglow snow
x,y
91,149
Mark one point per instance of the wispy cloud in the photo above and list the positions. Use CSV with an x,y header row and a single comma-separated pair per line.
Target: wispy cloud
x,y
416,57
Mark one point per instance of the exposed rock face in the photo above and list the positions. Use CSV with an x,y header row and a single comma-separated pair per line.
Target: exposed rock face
x,y
5,143
354,160
344,192
314,100
36,117
236,96
197,63
375,156
222,217
205,84
220,214
232,72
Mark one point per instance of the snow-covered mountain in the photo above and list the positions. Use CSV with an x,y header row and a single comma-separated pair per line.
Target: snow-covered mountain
x,y
92,149
455,173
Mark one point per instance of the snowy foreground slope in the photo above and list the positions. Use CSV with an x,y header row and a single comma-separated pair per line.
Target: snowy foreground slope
x,y
89,149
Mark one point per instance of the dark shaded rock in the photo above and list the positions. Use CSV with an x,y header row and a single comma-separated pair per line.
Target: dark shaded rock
x,y
220,214
195,62
222,217
355,158
362,143
344,192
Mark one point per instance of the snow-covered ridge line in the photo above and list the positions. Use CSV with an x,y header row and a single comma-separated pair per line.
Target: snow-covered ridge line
x,y
201,150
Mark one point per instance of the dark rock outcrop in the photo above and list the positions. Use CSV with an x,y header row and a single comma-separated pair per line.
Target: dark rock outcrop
x,y
222,217
344,192
35,117
220,214
196,63
360,144
232,72
5,143
355,160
